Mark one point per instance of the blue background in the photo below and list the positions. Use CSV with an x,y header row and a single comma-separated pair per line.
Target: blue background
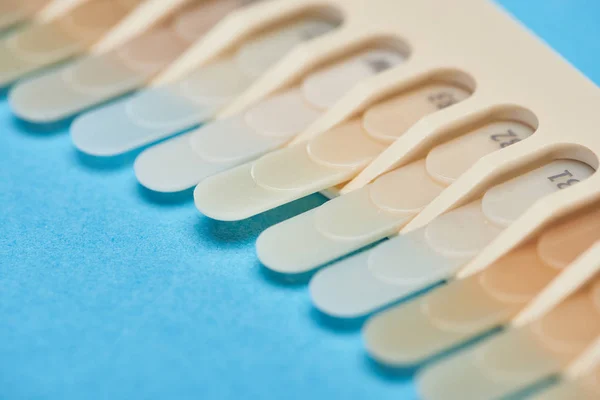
x,y
110,291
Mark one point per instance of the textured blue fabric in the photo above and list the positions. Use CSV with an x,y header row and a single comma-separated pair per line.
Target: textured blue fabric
x,y
109,291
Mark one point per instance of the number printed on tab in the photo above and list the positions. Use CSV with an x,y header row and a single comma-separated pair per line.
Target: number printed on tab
x,y
443,99
563,180
507,138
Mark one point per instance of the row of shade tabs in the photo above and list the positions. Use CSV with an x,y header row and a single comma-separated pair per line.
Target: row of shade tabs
x,y
257,160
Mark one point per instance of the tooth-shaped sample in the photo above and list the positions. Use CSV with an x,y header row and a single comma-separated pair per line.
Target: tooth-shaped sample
x,y
362,217
13,12
94,80
519,357
160,112
42,45
303,169
408,263
413,332
263,128
327,160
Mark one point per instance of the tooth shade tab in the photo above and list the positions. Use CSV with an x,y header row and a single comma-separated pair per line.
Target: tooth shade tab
x,y
422,258
453,314
505,202
390,119
470,220
517,277
572,325
563,244
281,116
197,18
149,53
446,162
464,309
32,48
41,45
305,168
519,357
354,220
213,85
411,333
65,92
158,113
337,79
91,20
499,367
255,57
96,79
265,127
361,284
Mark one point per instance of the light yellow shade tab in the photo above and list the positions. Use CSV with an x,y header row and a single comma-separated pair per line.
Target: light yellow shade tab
x,y
496,368
558,248
451,315
356,219
503,204
389,120
89,21
328,159
411,262
44,44
96,79
447,161
262,128
33,48
448,316
518,357
163,111
411,333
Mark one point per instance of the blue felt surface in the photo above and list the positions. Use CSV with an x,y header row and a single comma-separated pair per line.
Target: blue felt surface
x,y
109,291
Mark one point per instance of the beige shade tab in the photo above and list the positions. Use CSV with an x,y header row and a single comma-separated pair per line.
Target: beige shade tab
x,y
518,357
382,208
160,112
453,314
325,161
42,45
410,262
99,78
267,126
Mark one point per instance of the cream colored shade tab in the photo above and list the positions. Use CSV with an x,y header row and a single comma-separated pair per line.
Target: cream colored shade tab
x,y
13,12
160,112
408,263
519,357
453,314
41,45
327,160
67,91
181,163
364,216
